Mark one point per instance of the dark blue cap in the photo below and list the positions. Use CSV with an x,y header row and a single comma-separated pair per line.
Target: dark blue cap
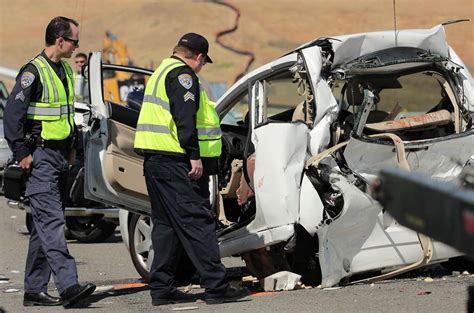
x,y
197,43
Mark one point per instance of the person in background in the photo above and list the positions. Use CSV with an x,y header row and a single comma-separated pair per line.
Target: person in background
x,y
81,88
39,128
79,61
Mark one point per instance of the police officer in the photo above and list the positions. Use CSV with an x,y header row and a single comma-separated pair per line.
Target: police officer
x,y
39,127
178,133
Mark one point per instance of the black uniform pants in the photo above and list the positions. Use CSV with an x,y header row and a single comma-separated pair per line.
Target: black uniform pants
x,y
46,189
181,219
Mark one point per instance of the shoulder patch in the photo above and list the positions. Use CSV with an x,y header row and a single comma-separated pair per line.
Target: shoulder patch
x,y
27,79
185,80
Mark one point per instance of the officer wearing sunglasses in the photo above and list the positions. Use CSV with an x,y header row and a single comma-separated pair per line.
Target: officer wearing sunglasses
x,y
39,128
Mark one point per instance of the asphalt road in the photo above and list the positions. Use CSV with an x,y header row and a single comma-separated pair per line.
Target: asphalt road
x,y
109,266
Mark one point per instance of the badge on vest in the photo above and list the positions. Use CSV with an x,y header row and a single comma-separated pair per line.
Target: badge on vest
x,y
185,80
27,79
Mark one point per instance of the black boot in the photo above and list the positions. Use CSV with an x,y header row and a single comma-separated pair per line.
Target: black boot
x,y
40,298
75,293
231,294
175,297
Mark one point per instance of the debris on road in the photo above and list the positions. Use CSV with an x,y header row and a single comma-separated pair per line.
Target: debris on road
x,y
428,280
190,287
185,308
283,280
249,278
103,289
11,290
423,293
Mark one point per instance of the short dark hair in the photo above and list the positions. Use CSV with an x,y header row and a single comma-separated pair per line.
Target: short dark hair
x,y
58,27
80,55
185,51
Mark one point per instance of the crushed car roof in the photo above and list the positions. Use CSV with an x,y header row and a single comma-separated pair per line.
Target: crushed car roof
x,y
349,47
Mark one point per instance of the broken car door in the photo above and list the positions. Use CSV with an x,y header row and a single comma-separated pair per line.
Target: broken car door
x,y
114,172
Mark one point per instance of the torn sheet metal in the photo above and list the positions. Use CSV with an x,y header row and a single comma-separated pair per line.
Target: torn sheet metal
x,y
280,155
326,105
313,62
311,207
343,238
441,158
467,81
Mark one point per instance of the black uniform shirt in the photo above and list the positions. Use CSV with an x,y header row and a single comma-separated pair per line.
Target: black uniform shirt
x,y
15,124
182,88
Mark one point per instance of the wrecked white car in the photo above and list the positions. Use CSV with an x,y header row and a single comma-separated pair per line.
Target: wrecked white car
x,y
304,136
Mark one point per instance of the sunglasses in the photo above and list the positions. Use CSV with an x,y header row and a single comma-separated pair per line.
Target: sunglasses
x,y
74,41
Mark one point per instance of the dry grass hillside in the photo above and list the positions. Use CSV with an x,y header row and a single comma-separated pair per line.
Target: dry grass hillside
x,y
150,28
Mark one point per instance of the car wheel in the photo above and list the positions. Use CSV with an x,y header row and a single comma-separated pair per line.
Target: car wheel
x,y
90,229
142,253
68,234
140,246
29,222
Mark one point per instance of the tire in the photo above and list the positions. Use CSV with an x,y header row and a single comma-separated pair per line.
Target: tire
x,y
90,229
141,251
460,264
140,246
68,234
29,222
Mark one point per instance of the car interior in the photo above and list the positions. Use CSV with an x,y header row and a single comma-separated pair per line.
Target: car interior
x,y
412,105
287,98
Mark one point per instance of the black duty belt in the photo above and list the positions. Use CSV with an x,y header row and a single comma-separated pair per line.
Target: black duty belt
x,y
65,144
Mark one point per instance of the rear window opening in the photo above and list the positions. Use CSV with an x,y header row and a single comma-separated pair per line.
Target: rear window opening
x,y
415,106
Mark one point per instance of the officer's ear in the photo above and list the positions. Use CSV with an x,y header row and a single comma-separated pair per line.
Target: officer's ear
x,y
59,41
201,58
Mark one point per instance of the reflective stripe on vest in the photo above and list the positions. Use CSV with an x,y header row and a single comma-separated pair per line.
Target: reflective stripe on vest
x,y
156,129
55,108
64,109
208,127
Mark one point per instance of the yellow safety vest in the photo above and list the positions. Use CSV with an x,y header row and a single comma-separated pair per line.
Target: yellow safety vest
x,y
55,109
156,129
